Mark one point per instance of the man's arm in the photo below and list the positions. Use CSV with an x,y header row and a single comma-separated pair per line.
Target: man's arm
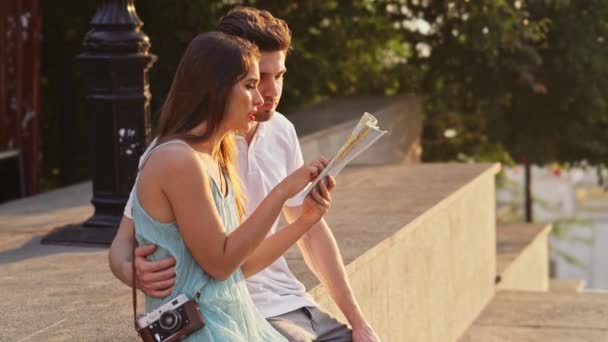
x,y
154,278
322,256
121,251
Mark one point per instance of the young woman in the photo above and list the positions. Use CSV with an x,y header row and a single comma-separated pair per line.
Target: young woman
x,y
188,200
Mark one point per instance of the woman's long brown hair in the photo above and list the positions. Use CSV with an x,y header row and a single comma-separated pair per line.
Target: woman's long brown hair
x,y
211,66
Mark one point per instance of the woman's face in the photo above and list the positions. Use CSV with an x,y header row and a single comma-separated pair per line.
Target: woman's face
x,y
243,101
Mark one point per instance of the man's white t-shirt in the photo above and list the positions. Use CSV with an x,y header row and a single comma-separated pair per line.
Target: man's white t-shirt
x,y
273,154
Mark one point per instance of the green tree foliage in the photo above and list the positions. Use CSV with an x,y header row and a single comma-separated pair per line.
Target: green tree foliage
x,y
342,48
500,79
521,79
480,52
568,120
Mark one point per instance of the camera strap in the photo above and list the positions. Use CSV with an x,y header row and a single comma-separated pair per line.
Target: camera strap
x,y
134,283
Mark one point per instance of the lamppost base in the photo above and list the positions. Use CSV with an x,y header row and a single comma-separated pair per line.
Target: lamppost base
x,y
98,231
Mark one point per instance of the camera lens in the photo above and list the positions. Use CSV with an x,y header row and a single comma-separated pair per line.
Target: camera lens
x,y
170,320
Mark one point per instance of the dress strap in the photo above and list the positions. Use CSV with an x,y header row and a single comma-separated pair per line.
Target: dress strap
x,y
146,156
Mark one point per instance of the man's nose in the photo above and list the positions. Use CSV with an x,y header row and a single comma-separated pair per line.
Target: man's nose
x,y
258,100
272,90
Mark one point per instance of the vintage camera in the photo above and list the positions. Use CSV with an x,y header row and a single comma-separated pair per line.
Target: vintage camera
x,y
172,321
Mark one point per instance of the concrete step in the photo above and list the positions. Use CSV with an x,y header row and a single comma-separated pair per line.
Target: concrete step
x,y
522,257
531,316
566,285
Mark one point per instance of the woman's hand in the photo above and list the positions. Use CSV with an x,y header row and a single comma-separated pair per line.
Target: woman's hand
x,y
297,180
318,201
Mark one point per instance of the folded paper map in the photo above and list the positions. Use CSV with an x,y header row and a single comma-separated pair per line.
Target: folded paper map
x,y
363,136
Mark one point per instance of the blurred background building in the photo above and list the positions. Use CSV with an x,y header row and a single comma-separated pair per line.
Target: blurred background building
x,y
20,57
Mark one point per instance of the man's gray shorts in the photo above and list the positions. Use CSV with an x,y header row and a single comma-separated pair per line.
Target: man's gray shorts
x,y
309,324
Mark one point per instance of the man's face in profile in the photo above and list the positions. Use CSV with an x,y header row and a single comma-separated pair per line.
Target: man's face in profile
x,y
272,71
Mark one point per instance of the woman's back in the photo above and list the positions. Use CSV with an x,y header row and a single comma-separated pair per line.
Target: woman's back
x,y
228,310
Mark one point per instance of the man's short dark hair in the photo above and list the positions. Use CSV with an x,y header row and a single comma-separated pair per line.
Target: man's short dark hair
x,y
259,27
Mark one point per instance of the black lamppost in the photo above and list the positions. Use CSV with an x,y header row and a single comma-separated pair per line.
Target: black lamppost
x,y
115,64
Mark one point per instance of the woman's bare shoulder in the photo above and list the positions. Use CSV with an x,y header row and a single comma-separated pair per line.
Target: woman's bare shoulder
x,y
175,160
174,154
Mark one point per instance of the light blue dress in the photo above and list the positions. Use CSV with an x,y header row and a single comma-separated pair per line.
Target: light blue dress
x,y
229,312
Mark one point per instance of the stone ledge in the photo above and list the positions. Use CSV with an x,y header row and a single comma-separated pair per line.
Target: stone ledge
x,y
362,197
522,256
324,127
566,285
418,242
69,293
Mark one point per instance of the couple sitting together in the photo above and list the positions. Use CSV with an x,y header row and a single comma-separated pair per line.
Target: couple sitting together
x,y
205,216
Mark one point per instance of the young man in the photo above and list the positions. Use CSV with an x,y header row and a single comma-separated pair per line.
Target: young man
x,y
268,152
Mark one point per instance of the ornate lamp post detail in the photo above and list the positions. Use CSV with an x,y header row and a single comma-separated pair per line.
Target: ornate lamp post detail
x,y
115,63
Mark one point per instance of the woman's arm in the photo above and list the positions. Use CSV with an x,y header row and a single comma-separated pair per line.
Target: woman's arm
x,y
186,186
273,247
314,207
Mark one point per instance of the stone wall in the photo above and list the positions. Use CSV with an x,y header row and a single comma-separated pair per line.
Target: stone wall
x,y
324,127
